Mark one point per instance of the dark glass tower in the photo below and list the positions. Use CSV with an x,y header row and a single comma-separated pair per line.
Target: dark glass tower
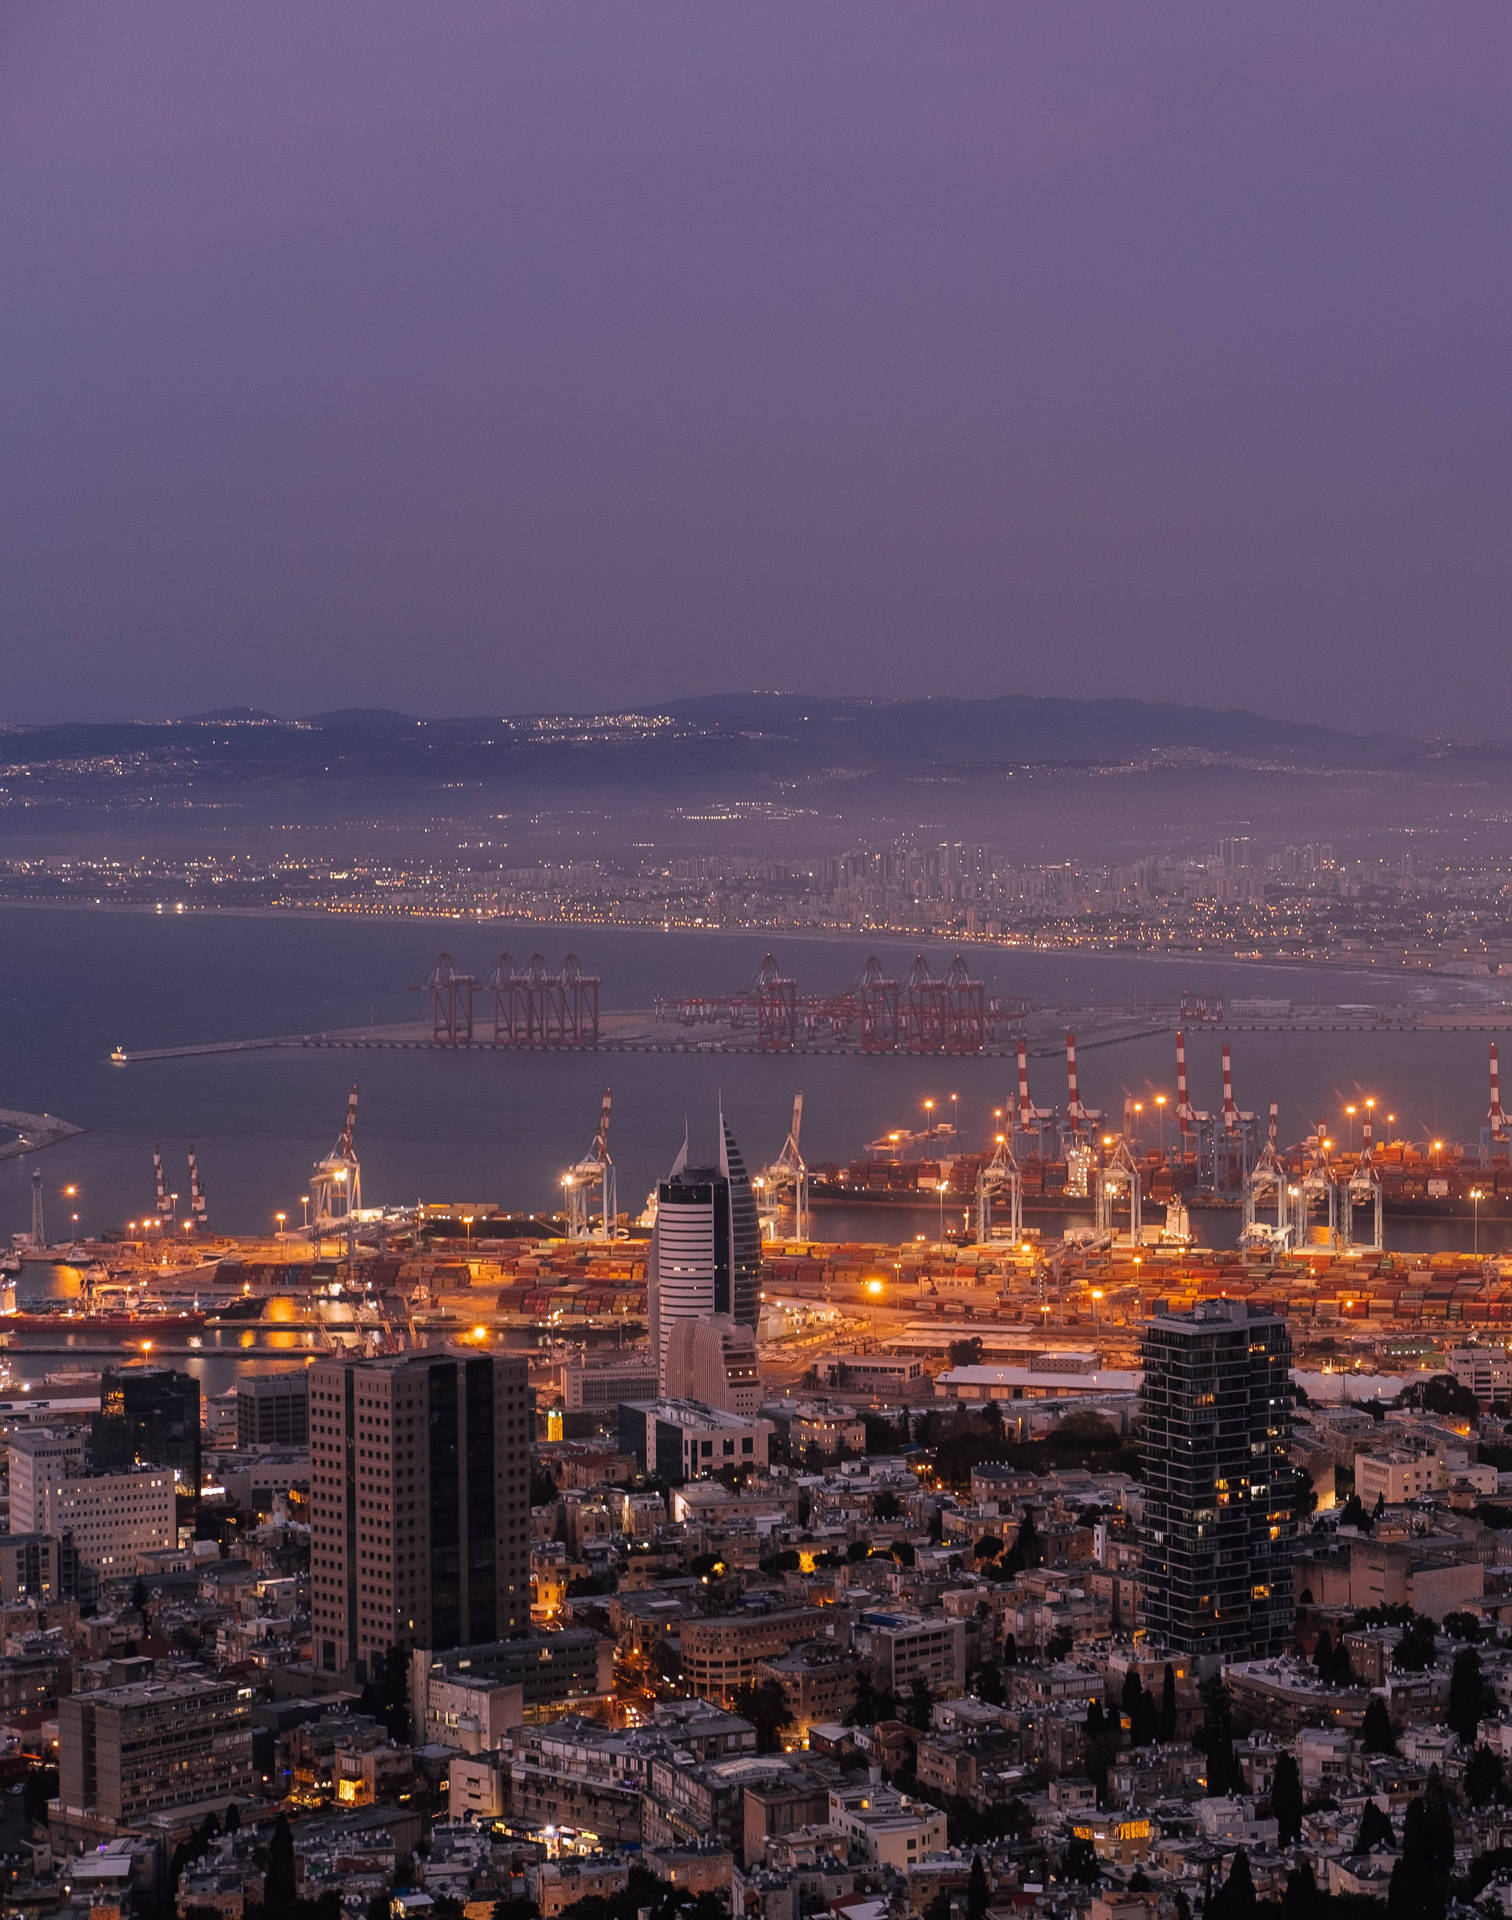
x,y
149,1416
1219,1515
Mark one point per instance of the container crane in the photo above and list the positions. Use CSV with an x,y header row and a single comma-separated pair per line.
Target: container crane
x,y
336,1181
594,1170
1189,1121
1118,1184
1361,1192
1231,1138
1264,1190
1081,1122
998,1177
1315,1200
164,1198
783,1186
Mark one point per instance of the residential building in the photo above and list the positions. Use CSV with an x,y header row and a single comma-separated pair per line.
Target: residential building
x,y
125,1753
1395,1474
886,1827
681,1439
419,1504
705,1248
721,1652
907,1647
1486,1371
1219,1522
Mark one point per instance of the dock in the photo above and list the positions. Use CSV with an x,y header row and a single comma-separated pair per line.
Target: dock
x,y
33,1131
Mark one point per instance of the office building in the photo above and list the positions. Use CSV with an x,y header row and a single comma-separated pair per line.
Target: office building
x,y
587,1388
149,1417
36,1566
1219,1519
419,1504
713,1361
705,1247
125,1753
113,1521
273,1410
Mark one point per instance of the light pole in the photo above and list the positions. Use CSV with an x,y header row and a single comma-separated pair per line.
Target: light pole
x,y
280,1218
304,1201
1476,1197
1097,1294
1160,1102
467,1220
1351,1113
1138,1113
942,1186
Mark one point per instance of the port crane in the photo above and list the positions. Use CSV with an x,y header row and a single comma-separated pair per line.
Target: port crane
x,y
1030,1127
1265,1190
783,1186
999,1178
1189,1121
336,1181
594,1170
1117,1186
1315,1199
198,1211
164,1198
1230,1139
1496,1134
1081,1122
1361,1192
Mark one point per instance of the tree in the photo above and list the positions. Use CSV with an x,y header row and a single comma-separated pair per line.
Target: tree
x,y
1236,1899
965,1353
1484,1780
233,1818
1010,1650
886,1505
1376,1732
1462,1626
1323,1657
1417,1649
987,1548
1442,1393
1352,1514
766,1707
1128,1697
977,1896
1168,1703
1026,1551
279,1887
1466,1695
920,1705
1144,1721
1376,1830
1286,1799
1300,1900
544,1490
990,1685
1080,1864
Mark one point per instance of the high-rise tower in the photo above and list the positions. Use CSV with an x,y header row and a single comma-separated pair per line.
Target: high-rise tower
x,y
706,1246
419,1504
1219,1514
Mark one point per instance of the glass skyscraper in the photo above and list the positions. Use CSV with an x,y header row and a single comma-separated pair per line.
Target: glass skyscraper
x,y
706,1246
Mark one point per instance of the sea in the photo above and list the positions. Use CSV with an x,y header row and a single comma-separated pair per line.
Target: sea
x,y
486,1128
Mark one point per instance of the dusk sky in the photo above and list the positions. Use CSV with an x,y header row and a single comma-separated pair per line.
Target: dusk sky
x,y
467,358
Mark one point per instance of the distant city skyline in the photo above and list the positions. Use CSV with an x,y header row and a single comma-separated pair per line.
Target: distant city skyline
x,y
447,359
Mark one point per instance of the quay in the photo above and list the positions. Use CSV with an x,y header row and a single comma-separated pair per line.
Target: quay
x,y
33,1131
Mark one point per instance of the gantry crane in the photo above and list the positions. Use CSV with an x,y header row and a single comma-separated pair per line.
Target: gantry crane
x,y
783,1186
1118,1184
336,1182
999,1177
594,1170
1264,1191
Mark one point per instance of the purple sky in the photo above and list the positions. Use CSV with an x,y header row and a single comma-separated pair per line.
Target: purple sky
x,y
468,357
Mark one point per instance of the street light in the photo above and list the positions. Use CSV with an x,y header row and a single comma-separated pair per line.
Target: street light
x,y
1097,1294
943,1186
467,1220
1351,1112
280,1218
1160,1102
304,1201
1476,1196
